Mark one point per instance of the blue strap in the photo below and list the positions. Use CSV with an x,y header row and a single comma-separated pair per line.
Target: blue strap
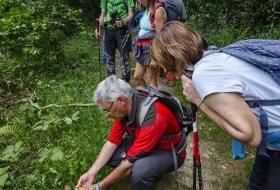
x,y
263,120
210,48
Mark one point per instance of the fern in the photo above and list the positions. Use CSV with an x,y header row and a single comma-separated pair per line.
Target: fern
x,y
18,133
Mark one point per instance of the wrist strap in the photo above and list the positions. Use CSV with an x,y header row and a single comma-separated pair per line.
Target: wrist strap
x,y
97,186
199,104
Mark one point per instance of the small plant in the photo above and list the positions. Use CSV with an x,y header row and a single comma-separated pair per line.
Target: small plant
x,y
3,175
12,151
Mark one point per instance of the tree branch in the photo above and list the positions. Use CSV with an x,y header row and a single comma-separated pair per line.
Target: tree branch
x,y
35,105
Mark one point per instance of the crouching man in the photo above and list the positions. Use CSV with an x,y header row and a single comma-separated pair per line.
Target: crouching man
x,y
143,154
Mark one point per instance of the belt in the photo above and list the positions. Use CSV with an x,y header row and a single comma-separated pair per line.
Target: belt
x,y
141,42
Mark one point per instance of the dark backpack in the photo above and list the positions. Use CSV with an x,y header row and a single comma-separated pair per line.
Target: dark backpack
x,y
181,113
266,55
175,10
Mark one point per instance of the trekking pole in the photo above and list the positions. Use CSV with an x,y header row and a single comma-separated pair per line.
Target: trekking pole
x,y
121,51
126,37
98,26
196,155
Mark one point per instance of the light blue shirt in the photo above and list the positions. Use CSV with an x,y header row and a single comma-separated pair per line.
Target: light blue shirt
x,y
145,23
220,72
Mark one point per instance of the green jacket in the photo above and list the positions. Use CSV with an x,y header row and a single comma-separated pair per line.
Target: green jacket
x,y
121,6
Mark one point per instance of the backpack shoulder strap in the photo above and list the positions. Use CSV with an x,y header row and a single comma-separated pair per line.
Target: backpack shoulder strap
x,y
146,103
144,107
263,120
117,4
157,5
210,50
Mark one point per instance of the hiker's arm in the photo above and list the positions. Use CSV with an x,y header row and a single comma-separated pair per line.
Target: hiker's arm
x,y
159,19
104,156
232,114
102,17
116,175
129,16
124,22
229,111
101,23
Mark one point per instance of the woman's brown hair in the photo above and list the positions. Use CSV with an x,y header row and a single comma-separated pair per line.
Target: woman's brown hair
x,y
150,3
177,46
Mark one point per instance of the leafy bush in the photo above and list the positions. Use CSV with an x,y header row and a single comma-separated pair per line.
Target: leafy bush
x,y
33,29
248,17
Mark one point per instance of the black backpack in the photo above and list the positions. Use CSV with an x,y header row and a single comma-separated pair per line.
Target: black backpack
x,y
181,113
175,10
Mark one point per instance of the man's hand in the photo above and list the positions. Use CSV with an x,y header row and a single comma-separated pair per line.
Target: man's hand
x,y
85,180
119,23
88,187
97,32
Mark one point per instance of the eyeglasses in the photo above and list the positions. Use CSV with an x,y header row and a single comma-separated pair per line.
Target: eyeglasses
x,y
108,109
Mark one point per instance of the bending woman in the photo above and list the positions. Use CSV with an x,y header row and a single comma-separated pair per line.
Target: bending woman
x,y
220,85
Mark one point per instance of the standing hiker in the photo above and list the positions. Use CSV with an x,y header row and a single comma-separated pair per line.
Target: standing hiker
x,y
220,86
163,12
144,154
141,45
115,15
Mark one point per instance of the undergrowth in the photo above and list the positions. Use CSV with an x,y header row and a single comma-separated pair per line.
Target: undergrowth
x,y
51,132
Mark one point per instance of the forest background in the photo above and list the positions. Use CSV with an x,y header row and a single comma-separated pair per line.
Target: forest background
x,y
50,132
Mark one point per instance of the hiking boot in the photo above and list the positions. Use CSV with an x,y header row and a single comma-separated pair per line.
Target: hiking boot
x,y
169,78
168,83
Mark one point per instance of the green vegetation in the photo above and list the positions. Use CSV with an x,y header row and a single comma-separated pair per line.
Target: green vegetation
x,y
50,132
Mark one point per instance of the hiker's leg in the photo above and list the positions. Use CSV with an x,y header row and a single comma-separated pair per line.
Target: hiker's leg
x,y
120,154
110,48
139,74
146,171
273,175
152,75
160,71
259,172
124,53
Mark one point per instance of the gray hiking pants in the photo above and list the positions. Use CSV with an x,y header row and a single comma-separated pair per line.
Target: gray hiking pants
x,y
115,39
147,170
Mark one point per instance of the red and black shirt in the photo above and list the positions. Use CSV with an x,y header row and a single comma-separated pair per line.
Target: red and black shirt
x,y
158,121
